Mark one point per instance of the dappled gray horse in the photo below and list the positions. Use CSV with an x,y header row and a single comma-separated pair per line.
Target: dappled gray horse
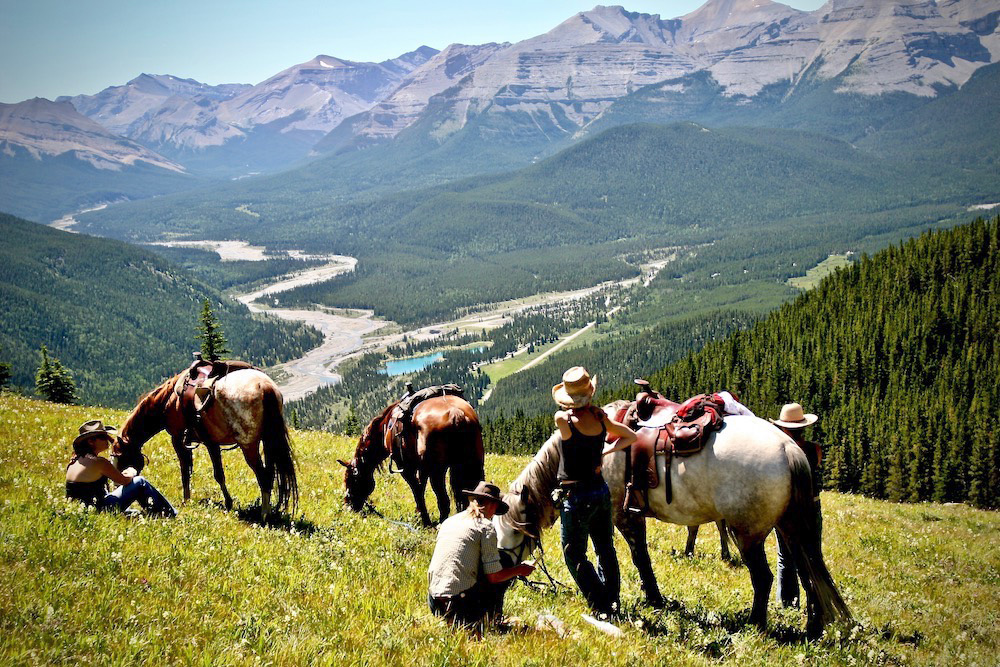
x,y
749,474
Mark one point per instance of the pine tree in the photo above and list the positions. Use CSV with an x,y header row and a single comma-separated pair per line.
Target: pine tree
x,y
4,374
213,342
53,381
352,426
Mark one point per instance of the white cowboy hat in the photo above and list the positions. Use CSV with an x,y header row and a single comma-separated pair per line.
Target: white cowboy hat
x,y
576,389
792,416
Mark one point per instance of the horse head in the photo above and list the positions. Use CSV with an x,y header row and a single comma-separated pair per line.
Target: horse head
x,y
125,455
359,474
359,481
531,506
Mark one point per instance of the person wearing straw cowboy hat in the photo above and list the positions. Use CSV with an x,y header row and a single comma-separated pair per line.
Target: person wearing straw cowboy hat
x,y
88,473
466,582
585,502
793,420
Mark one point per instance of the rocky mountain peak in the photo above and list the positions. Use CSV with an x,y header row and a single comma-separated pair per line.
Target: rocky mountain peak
x,y
723,14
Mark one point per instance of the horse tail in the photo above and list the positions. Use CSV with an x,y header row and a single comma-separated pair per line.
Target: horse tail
x,y
278,451
465,452
801,531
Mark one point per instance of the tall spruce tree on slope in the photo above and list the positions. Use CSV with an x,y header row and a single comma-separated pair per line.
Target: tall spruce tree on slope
x,y
213,342
53,381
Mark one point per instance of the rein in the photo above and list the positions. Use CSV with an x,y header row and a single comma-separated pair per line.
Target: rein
x,y
371,508
553,585
196,444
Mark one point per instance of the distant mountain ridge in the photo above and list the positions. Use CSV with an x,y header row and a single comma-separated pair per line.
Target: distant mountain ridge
x,y
299,105
843,69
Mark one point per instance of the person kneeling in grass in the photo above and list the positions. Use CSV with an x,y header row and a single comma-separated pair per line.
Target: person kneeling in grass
x,y
88,473
466,581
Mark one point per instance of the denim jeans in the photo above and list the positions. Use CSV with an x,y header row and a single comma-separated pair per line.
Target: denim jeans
x,y
788,583
139,489
586,513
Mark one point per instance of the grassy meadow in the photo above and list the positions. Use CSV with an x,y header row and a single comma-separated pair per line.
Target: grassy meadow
x,y
333,588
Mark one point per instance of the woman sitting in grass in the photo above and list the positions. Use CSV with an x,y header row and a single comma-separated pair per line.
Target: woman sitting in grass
x,y
88,473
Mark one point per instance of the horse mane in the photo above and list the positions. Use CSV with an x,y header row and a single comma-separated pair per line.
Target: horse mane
x,y
529,495
366,443
150,406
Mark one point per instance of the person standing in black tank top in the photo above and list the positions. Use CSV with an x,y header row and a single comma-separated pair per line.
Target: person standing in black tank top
x,y
585,510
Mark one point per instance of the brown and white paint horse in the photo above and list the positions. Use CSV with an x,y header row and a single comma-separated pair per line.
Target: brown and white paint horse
x,y
444,434
749,474
247,410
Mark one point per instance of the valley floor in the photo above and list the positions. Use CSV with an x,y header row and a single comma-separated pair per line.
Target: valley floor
x,y
216,587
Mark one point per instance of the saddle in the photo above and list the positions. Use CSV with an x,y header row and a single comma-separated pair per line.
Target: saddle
x,y
664,427
400,418
196,390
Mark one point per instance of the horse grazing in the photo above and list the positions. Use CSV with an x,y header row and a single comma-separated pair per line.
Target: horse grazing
x,y
749,474
247,409
445,435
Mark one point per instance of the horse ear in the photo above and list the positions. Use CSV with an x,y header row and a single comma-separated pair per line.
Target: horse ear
x,y
343,463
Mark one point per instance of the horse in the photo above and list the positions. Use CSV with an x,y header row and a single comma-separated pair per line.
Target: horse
x,y
247,410
749,474
446,435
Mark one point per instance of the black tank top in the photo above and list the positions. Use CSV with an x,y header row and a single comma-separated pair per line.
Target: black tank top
x,y
580,455
87,492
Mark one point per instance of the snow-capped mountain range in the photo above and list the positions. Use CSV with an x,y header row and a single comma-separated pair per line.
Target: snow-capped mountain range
x,y
562,80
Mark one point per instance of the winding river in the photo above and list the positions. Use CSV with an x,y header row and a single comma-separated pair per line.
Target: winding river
x,y
349,333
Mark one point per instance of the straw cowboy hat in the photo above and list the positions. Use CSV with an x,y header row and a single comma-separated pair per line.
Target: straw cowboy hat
x,y
576,389
92,428
487,491
792,416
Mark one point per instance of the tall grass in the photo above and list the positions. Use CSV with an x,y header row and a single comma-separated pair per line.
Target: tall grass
x,y
334,588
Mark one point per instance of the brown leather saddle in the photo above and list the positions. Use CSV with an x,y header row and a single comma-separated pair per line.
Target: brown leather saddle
x,y
400,424
196,391
667,428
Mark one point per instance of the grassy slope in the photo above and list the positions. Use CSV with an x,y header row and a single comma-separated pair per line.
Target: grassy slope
x,y
211,588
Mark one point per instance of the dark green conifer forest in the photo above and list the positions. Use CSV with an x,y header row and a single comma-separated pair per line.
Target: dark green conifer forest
x,y
898,356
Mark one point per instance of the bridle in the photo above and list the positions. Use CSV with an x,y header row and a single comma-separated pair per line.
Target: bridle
x,y
517,556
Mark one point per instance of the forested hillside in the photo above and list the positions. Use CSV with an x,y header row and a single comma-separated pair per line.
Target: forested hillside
x,y
424,253
119,317
898,354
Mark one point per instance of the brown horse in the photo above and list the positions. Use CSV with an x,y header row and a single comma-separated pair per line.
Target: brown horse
x,y
247,409
445,433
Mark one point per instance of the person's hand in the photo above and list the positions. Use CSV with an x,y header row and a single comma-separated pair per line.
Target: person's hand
x,y
527,568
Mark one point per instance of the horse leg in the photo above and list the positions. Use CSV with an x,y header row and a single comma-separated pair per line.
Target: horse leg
x,y
418,484
440,489
633,528
186,460
215,454
761,578
264,474
724,541
692,537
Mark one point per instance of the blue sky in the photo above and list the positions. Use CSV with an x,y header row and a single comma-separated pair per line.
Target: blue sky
x,y
67,47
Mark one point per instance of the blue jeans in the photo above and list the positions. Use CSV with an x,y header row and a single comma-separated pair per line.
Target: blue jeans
x,y
586,513
139,489
788,582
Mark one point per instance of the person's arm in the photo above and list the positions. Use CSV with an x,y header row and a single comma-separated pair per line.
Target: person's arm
x,y
111,472
562,422
500,576
625,435
490,558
